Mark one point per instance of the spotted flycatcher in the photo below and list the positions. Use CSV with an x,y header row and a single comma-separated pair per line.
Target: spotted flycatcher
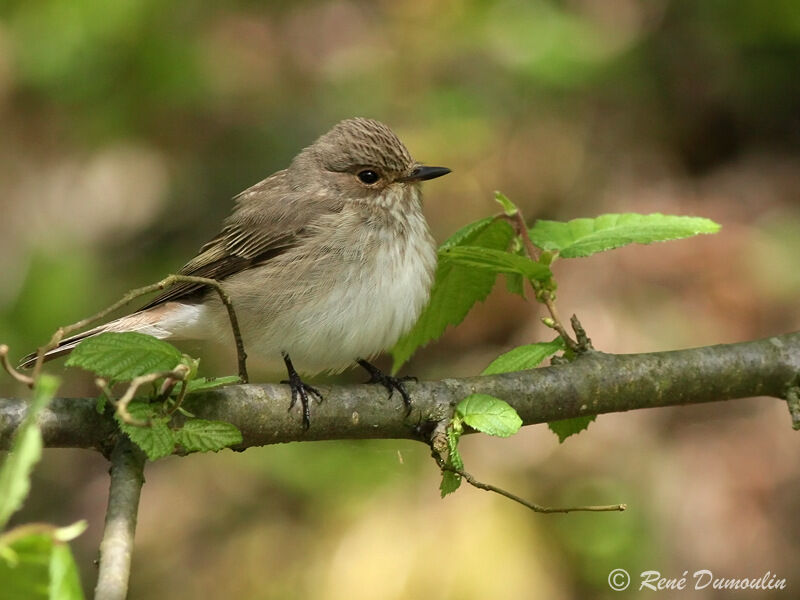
x,y
326,263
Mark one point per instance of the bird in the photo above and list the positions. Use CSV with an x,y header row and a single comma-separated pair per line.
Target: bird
x,y
327,263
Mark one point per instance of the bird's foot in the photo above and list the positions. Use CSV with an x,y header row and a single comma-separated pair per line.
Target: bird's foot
x,y
300,390
390,382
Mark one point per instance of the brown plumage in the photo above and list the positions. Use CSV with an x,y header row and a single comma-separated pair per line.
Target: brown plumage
x,y
329,260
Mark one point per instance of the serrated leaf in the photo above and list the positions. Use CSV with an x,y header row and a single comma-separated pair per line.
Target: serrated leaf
x,y
123,356
567,427
523,357
454,455
26,450
207,383
199,435
495,261
584,237
156,439
468,233
450,483
489,414
456,288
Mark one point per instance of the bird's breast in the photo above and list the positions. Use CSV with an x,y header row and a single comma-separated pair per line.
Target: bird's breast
x,y
374,296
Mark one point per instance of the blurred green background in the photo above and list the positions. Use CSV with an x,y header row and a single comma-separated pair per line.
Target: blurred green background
x,y
127,126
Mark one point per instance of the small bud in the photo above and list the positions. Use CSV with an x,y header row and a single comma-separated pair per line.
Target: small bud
x,y
509,208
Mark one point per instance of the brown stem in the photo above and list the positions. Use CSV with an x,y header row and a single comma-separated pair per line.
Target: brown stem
x,y
21,377
531,505
517,221
556,324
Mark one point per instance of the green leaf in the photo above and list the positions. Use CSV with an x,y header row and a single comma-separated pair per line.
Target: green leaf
x,y
523,357
26,450
496,261
456,288
123,356
42,569
156,439
199,435
567,427
584,237
515,283
207,383
470,232
28,575
489,414
65,583
452,446
452,481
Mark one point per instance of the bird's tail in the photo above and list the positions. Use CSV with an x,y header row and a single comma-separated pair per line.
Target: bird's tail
x,y
64,347
146,321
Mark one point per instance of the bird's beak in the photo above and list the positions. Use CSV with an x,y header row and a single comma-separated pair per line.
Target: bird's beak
x,y
422,173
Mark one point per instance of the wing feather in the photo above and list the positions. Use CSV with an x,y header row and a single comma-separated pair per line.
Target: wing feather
x,y
269,219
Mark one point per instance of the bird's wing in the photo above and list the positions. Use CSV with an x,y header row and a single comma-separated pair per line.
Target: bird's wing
x,y
266,222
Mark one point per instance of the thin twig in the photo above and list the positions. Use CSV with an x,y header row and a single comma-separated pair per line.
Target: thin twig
x,y
167,282
21,377
584,343
179,399
517,221
241,355
555,321
116,548
179,373
531,505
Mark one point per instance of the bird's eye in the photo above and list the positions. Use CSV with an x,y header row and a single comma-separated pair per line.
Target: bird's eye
x,y
368,176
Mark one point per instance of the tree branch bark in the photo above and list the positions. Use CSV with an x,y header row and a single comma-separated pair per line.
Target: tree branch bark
x,y
595,383
116,549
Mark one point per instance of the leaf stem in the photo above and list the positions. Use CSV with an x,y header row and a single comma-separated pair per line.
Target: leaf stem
x,y
544,296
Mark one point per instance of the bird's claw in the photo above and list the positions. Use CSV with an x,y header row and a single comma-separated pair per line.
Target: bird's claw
x,y
300,390
390,382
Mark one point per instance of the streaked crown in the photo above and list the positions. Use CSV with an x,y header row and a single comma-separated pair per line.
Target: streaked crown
x,y
360,141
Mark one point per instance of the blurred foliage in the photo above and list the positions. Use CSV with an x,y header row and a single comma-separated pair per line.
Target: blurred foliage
x,y
127,126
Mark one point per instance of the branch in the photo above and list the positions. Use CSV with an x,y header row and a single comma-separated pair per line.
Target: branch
x,y
127,477
594,383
